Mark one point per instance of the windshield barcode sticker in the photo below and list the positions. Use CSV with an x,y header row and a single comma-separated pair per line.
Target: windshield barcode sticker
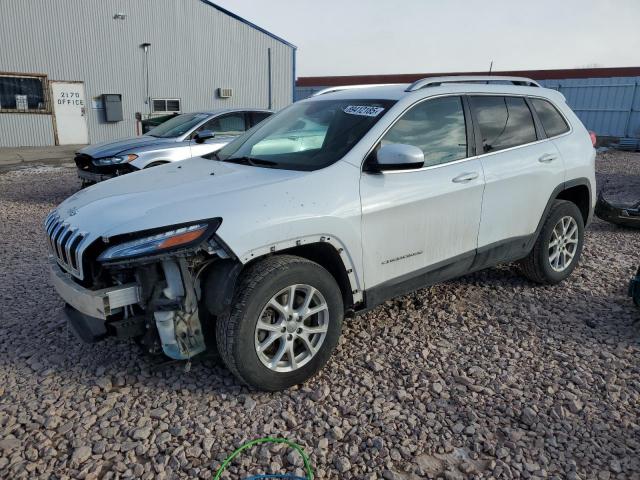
x,y
363,110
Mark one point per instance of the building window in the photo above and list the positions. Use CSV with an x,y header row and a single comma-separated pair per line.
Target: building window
x,y
23,93
165,105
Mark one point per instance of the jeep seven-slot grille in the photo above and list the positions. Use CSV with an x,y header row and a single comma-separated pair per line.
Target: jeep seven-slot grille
x,y
64,241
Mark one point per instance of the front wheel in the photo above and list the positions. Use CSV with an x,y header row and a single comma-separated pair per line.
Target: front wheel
x,y
558,247
284,324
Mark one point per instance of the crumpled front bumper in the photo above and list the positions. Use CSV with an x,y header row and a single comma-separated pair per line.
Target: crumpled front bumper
x,y
87,310
94,303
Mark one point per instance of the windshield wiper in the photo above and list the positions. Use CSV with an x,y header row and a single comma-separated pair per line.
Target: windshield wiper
x,y
254,162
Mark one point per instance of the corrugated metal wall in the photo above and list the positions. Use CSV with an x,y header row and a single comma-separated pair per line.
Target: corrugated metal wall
x,y
195,49
17,129
608,106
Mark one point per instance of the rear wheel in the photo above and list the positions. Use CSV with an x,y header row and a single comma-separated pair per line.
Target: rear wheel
x,y
558,247
284,324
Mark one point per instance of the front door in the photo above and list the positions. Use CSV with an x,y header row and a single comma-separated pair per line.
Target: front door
x,y
419,221
70,110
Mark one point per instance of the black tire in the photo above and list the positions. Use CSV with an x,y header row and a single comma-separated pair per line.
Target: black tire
x,y
536,266
235,333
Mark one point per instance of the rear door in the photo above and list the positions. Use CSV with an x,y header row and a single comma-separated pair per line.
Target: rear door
x,y
522,168
417,221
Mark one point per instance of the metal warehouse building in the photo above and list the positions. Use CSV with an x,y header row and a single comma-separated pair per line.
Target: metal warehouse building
x,y
607,100
77,71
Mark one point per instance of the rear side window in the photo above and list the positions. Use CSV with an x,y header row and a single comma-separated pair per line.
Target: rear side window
x,y
257,117
230,124
436,127
552,122
504,122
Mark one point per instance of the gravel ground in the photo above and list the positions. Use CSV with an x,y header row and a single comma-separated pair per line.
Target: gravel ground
x,y
488,376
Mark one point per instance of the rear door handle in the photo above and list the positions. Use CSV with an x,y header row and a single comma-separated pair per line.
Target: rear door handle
x,y
465,177
547,158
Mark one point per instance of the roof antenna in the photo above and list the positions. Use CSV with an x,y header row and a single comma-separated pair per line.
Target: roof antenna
x,y
490,67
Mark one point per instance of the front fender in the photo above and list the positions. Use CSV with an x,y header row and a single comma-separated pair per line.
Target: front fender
x,y
302,208
172,154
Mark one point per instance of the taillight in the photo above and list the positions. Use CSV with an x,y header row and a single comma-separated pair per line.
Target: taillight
x,y
594,139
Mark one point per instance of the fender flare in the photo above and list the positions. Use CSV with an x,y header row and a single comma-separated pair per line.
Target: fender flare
x,y
343,253
582,181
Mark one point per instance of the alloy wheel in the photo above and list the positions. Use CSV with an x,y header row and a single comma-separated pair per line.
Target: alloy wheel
x,y
291,328
563,244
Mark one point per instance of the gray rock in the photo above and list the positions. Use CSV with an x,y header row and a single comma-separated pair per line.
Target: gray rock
x,y
158,413
81,455
9,444
141,433
528,416
342,464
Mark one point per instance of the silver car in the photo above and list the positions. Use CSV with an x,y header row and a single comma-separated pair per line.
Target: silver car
x,y
184,136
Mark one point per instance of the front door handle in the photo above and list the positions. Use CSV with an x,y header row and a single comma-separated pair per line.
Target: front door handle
x,y
465,177
547,158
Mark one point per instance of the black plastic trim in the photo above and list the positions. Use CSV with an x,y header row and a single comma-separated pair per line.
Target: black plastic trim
x,y
472,147
88,329
218,285
436,273
540,133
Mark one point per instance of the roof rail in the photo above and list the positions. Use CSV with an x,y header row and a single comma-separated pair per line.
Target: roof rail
x,y
350,87
437,81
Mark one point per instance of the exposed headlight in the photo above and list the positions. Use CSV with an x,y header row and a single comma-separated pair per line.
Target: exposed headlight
x,y
159,242
114,160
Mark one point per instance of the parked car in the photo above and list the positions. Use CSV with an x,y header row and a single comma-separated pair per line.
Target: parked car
x,y
181,137
328,208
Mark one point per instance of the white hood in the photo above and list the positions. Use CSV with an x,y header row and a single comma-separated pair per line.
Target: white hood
x,y
166,195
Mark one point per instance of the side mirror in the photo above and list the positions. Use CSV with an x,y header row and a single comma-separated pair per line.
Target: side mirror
x,y
203,136
397,156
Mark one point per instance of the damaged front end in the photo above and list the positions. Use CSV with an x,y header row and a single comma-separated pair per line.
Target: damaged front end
x,y
623,215
147,286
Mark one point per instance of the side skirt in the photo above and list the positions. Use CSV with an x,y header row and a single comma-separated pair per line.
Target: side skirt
x,y
485,257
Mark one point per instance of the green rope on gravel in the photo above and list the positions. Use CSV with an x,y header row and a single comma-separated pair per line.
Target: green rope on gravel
x,y
289,443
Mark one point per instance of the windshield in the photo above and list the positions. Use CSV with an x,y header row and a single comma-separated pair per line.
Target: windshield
x,y
178,125
307,135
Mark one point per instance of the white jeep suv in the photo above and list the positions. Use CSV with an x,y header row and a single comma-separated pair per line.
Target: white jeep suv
x,y
326,209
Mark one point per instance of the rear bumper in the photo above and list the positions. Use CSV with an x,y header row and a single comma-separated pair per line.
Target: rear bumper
x,y
93,303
